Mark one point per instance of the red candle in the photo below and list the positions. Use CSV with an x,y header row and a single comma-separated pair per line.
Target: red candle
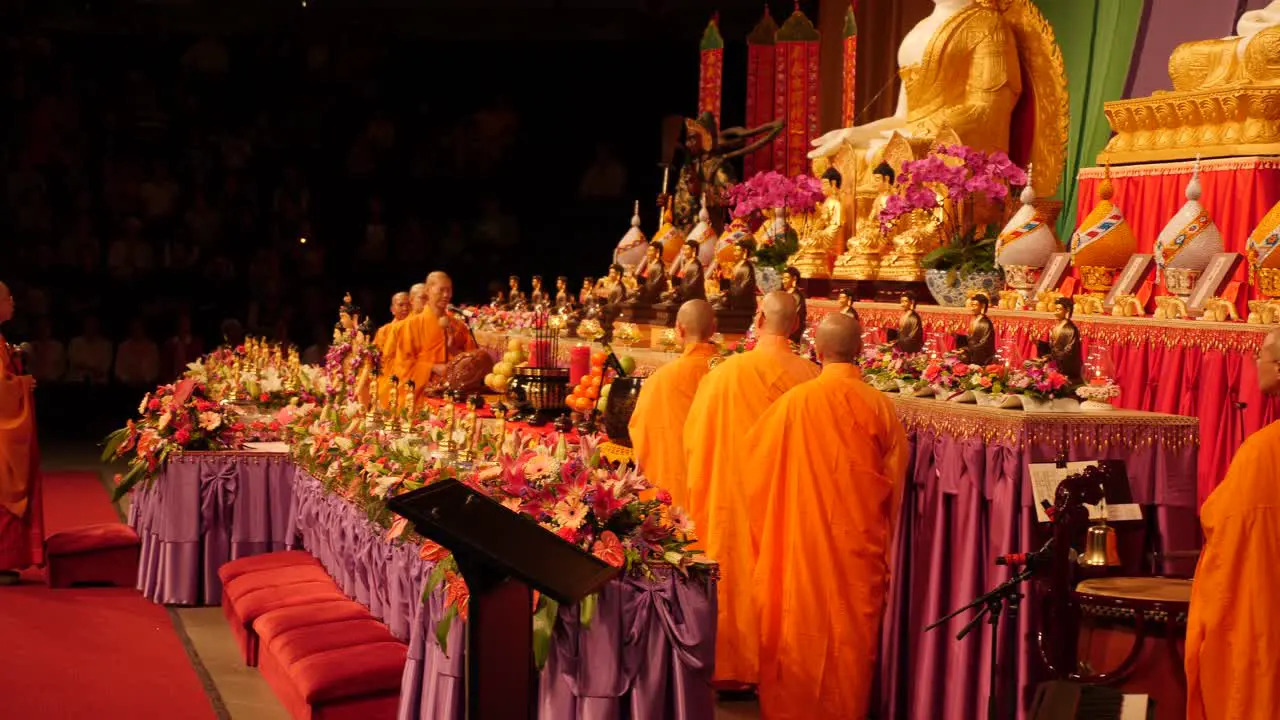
x,y
538,353
579,363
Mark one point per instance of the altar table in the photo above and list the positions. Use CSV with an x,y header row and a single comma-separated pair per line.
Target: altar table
x,y
204,510
648,653
968,500
1193,368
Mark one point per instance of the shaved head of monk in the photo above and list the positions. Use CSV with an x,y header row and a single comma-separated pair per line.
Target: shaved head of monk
x,y
1268,362
439,291
696,322
778,314
400,305
6,303
839,339
418,297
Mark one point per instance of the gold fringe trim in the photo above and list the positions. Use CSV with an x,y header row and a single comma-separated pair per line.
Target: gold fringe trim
x,y
1018,429
1183,167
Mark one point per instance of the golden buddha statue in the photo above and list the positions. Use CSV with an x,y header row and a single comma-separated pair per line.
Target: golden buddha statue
x,y
822,231
962,68
861,258
1221,104
913,236
1264,261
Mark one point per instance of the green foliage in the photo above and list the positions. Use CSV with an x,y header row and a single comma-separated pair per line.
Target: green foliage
x,y
544,623
775,254
966,254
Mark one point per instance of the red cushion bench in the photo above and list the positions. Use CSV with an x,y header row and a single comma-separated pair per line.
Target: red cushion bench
x,y
100,554
359,681
267,561
243,610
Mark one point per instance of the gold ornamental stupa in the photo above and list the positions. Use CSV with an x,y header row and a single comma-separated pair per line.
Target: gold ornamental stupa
x,y
1103,243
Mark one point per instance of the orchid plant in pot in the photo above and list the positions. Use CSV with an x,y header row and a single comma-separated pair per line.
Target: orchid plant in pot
x,y
953,182
771,197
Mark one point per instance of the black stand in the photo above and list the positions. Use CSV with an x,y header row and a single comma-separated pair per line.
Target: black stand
x,y
1004,600
501,555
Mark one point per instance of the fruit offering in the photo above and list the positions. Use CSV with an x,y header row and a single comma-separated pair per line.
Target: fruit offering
x,y
592,392
513,358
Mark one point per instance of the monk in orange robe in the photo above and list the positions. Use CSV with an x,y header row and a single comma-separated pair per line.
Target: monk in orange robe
x,y
385,340
457,336
419,344
657,423
21,519
728,402
1233,631
827,469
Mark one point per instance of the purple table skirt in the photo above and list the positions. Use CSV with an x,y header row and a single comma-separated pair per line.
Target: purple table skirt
x,y
206,509
967,502
648,654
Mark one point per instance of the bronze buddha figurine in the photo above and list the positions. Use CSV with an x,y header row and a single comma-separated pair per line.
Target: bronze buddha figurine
x,y
687,280
980,346
1065,348
910,329
739,291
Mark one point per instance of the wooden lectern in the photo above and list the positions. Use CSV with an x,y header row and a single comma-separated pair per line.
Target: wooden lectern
x,y
501,555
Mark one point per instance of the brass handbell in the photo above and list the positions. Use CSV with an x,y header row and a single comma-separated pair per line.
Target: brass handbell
x,y
1100,546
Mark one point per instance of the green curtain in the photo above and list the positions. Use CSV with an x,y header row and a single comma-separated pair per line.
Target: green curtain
x,y
1097,39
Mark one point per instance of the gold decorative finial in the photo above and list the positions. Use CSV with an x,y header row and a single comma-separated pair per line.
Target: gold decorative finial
x,y
1106,189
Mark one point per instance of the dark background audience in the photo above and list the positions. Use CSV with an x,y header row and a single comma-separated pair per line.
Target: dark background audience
x,y
157,184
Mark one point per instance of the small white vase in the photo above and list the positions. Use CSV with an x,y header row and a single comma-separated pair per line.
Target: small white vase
x,y
1066,405
1096,406
1031,404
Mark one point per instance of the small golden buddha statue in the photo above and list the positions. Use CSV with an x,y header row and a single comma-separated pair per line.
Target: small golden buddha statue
x,y
916,234
861,259
772,229
822,232
791,286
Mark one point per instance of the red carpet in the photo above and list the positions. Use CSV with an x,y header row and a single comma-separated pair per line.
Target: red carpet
x,y
95,653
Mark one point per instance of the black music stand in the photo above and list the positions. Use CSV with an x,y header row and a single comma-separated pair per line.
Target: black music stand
x,y
501,555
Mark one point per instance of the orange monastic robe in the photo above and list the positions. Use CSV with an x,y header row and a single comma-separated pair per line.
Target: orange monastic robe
x,y
457,338
21,526
1233,632
827,464
419,347
386,339
657,423
728,402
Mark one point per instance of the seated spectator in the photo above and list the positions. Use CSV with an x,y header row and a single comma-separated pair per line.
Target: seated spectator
x,y
48,354
138,358
181,349
319,347
129,255
89,355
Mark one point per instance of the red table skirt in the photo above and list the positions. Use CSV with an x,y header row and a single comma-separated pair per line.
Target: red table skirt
x,y
1200,369
1237,192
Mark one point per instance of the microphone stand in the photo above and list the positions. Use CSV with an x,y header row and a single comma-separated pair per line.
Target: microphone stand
x,y
1004,599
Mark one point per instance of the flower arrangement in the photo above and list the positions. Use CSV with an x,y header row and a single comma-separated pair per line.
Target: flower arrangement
x,y
748,342
947,183
173,418
885,366
993,379
492,319
617,515
769,197
1039,379
1099,389
948,375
